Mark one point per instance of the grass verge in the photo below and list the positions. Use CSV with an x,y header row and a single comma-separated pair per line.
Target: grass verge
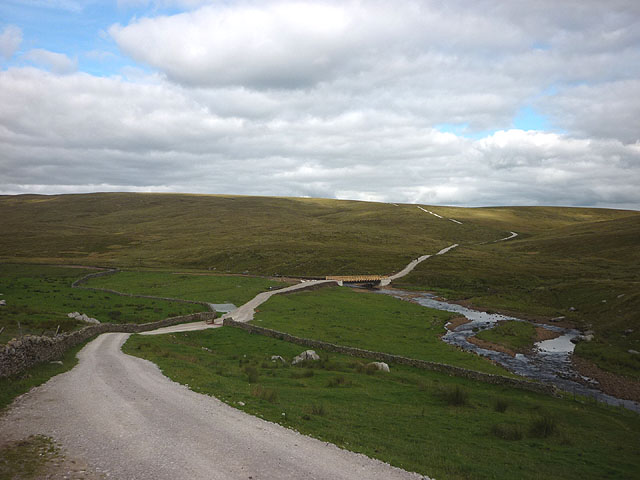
x,y
444,427
370,321
26,459
13,386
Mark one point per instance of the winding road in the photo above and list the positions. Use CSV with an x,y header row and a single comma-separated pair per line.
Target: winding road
x,y
125,419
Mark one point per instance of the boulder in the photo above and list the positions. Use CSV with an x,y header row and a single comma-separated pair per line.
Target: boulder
x,y
275,358
383,367
628,331
572,309
633,352
306,355
3,303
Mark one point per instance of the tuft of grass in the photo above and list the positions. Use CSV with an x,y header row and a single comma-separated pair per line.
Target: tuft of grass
x,y
507,431
318,409
268,394
252,374
543,426
501,405
338,381
456,396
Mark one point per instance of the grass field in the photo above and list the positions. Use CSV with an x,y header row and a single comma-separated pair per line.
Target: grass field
x,y
198,287
516,336
40,297
370,321
445,427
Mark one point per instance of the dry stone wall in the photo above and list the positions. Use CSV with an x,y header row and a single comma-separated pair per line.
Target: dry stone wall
x,y
80,284
25,352
390,358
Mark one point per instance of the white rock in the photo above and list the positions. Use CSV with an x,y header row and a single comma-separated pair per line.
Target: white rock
x,y
3,303
383,367
306,355
241,404
277,357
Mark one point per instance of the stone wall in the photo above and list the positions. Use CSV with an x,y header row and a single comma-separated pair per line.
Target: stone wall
x,y
25,352
79,284
389,358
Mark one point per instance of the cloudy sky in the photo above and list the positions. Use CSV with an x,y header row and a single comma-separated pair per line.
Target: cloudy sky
x,y
484,102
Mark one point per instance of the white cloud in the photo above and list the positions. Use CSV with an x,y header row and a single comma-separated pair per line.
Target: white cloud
x,y
10,40
117,135
56,62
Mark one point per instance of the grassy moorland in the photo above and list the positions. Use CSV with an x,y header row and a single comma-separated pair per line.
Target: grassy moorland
x,y
366,320
224,233
441,426
40,297
588,273
187,286
588,259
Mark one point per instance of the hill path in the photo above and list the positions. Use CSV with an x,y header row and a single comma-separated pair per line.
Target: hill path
x,y
123,417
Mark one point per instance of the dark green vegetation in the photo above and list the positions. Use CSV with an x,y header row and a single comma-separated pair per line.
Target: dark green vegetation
x,y
226,233
370,321
11,387
441,426
40,297
26,459
198,287
562,258
516,336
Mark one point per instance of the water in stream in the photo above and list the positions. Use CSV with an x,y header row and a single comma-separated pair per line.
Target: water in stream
x,y
548,362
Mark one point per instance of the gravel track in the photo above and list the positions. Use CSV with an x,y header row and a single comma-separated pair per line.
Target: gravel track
x,y
128,421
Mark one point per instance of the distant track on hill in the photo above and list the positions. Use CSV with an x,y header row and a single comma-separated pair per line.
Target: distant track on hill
x,y
125,419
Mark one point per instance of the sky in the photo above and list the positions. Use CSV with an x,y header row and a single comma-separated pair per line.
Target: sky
x,y
470,103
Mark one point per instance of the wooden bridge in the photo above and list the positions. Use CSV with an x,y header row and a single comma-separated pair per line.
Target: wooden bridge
x,y
369,280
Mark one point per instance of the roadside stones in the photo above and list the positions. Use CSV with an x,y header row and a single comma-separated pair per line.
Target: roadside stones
x,y
82,317
275,358
306,355
582,338
383,367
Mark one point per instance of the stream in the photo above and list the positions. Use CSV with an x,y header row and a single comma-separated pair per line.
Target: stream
x,y
550,361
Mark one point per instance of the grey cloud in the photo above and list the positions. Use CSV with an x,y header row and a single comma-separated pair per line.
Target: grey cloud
x,y
120,135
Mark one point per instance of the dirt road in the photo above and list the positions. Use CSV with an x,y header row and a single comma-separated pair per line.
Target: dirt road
x,y
128,421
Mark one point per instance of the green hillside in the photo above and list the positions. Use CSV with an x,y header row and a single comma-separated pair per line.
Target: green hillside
x,y
588,259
